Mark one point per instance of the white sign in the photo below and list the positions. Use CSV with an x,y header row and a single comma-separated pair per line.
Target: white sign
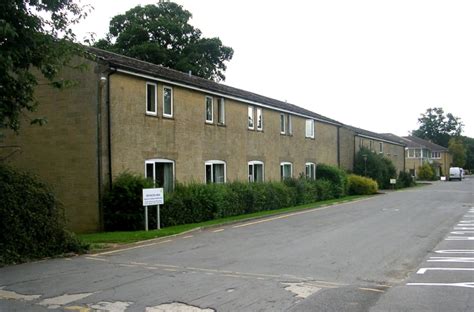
x,y
153,196
393,181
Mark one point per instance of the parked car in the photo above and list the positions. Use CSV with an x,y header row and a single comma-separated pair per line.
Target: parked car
x,y
456,173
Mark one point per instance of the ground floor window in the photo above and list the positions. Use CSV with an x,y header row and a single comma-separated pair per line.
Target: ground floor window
x,y
286,170
215,171
161,172
310,170
255,171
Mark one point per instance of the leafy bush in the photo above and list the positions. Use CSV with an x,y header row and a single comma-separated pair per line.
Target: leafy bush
x,y
426,172
374,166
337,176
31,220
405,180
359,185
123,209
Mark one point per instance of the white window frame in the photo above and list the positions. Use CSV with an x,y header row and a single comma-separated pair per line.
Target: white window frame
x,y
290,125
436,155
212,163
259,117
250,117
161,160
284,163
210,121
171,104
152,113
282,118
381,147
314,170
221,111
310,123
253,163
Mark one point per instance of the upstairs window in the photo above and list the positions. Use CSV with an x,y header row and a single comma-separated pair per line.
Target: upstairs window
x,y
250,117
209,109
161,172
310,128
151,98
215,171
436,155
282,123
221,111
381,147
167,102
259,119
255,171
290,125
310,170
286,170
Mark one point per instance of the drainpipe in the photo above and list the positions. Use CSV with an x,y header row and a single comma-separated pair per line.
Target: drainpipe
x,y
338,148
109,127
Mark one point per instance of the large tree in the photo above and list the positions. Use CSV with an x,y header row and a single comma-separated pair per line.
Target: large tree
x,y
35,35
161,34
458,150
438,127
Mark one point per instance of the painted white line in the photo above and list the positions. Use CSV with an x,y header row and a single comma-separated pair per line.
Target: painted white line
x,y
130,248
6,294
128,265
218,230
170,270
462,232
466,285
189,236
372,289
451,259
466,221
423,270
460,238
455,251
463,228
97,259
139,263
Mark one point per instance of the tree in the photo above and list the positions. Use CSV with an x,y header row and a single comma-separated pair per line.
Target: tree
x,y
469,145
457,149
375,166
161,34
437,127
34,35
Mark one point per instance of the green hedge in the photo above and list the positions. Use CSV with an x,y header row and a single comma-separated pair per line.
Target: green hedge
x,y
359,185
426,172
31,220
374,166
405,180
194,202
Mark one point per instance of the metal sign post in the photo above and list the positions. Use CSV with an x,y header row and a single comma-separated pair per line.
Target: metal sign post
x,y
152,197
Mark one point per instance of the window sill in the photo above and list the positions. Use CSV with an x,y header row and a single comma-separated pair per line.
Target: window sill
x,y
152,115
221,125
209,123
310,138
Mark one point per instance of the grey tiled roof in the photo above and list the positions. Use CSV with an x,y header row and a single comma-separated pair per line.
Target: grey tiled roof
x,y
380,136
141,67
416,142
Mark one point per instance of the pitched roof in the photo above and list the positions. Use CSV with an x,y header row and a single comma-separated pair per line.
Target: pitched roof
x,y
417,142
374,135
141,67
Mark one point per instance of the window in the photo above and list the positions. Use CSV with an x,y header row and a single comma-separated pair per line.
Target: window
x,y
361,142
286,170
436,155
151,98
381,147
310,170
290,126
161,172
282,123
215,171
221,111
371,145
250,117
167,102
417,153
255,171
411,153
310,128
259,119
209,110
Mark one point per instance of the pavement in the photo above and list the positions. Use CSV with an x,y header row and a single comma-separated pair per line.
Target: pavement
x,y
410,250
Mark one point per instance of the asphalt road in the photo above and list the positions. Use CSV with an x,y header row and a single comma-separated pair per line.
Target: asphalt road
x,y
409,250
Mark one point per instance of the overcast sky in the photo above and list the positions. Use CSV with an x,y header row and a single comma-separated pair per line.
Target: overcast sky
x,y
372,64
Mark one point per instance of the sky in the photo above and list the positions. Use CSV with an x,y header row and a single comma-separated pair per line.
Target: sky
x,y
376,65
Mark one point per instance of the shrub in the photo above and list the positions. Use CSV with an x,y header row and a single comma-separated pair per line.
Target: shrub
x,y
335,175
122,204
31,220
426,172
359,185
374,166
405,180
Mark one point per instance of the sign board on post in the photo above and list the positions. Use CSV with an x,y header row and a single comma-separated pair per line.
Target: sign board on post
x,y
152,197
393,181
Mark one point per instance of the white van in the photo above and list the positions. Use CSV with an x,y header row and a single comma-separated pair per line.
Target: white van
x,y
455,173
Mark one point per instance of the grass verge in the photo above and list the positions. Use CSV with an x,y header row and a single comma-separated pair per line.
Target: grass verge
x,y
109,239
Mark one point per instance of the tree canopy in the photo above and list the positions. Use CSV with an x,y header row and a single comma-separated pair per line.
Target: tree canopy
x,y
438,127
34,35
161,34
458,150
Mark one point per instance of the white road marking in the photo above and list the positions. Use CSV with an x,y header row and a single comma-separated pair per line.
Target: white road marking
x,y
302,290
176,307
451,259
96,259
460,238
57,302
455,251
462,232
104,306
218,230
423,270
189,236
372,289
466,285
